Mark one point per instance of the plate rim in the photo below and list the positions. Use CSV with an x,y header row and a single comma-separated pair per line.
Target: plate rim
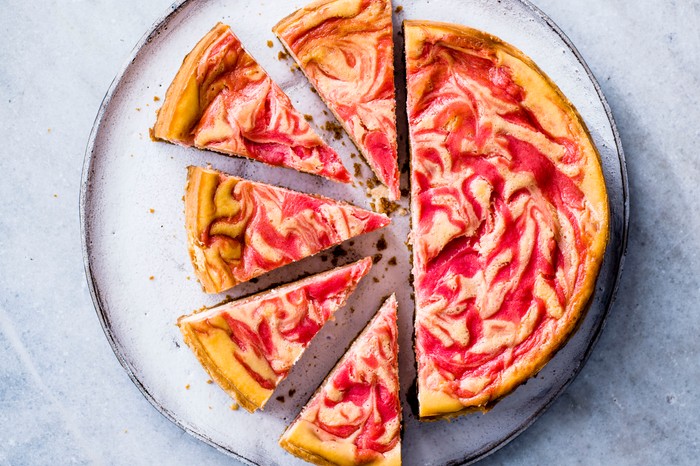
x,y
97,301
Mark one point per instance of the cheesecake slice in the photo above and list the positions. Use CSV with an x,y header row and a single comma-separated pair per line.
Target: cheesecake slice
x,y
355,416
346,50
221,99
239,229
248,346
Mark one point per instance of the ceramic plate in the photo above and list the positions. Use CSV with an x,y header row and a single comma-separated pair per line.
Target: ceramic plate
x,y
141,278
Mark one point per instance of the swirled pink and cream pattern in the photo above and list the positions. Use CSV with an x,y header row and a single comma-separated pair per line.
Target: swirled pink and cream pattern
x,y
346,50
240,229
268,333
505,236
228,103
357,409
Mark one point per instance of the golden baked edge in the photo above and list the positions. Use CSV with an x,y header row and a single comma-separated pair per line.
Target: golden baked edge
x,y
321,454
223,280
205,360
180,111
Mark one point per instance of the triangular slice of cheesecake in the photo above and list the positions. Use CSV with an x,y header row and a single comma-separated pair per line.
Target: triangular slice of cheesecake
x,y
248,346
355,416
346,50
239,229
221,99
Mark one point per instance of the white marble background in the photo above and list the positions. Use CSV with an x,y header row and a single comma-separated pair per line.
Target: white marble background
x,y
65,399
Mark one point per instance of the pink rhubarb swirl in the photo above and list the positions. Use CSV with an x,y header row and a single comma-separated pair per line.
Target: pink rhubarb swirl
x,y
238,109
358,403
276,327
506,242
240,229
346,51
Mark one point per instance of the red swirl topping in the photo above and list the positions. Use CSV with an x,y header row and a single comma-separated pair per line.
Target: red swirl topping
x,y
270,331
508,228
240,229
346,50
358,404
228,103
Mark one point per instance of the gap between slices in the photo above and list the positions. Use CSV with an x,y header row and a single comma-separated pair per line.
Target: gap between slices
x,y
248,346
239,229
509,216
355,415
346,50
221,99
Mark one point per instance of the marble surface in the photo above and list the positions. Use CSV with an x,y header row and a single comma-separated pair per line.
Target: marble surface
x,y
64,397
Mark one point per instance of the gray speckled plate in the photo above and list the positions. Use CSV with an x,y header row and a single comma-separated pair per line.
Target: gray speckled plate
x,y
139,271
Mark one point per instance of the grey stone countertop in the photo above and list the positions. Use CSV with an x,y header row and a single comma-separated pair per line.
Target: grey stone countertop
x,y
65,399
